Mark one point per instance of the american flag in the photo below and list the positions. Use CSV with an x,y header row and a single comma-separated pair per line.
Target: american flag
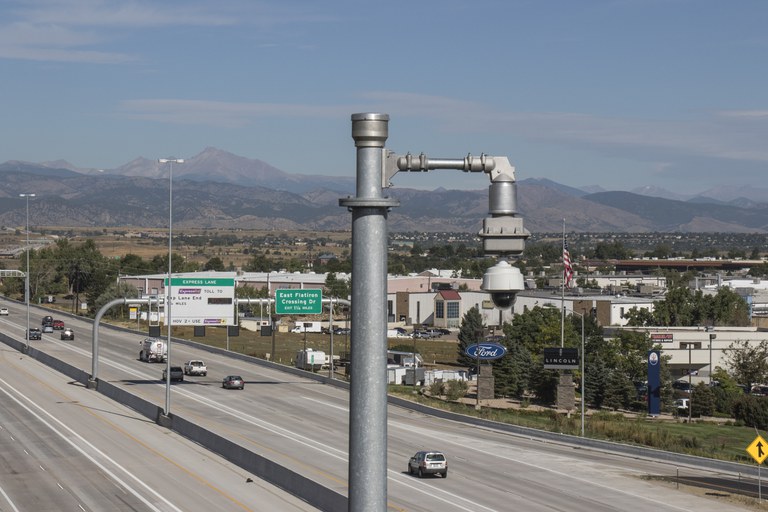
x,y
567,267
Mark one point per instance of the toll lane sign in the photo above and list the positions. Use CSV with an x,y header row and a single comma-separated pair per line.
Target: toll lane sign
x,y
758,449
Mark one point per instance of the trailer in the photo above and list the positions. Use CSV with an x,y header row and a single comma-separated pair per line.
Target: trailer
x,y
309,359
301,327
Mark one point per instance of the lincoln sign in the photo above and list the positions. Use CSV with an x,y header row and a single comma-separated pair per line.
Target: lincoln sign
x,y
486,351
561,358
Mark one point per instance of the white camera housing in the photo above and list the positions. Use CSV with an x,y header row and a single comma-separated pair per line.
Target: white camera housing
x,y
503,282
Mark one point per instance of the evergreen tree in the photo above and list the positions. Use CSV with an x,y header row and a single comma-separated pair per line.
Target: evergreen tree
x,y
470,333
702,400
511,373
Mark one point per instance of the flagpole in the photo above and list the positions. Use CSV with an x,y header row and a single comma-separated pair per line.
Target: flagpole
x,y
562,295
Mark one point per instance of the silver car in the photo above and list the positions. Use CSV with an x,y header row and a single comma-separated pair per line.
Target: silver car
x,y
428,463
233,382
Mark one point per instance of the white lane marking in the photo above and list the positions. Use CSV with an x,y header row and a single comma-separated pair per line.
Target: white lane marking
x,y
8,499
74,445
341,455
328,404
444,439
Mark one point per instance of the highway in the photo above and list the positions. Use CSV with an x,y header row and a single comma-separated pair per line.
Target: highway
x,y
65,448
303,425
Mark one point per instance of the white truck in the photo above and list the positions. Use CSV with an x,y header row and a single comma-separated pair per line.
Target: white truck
x,y
153,350
195,367
302,327
312,360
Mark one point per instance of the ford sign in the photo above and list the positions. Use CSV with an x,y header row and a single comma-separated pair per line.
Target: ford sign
x,y
486,351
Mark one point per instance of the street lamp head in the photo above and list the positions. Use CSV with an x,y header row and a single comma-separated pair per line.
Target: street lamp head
x,y
26,195
170,160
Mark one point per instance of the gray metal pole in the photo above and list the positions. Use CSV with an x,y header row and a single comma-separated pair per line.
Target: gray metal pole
x,y
330,327
170,162
368,387
26,277
583,357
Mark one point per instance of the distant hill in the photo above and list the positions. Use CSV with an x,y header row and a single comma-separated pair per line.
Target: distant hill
x,y
216,189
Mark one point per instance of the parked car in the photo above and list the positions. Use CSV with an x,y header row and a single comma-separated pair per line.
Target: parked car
x,y
682,385
48,329
233,382
4,311
35,334
68,334
177,373
428,463
58,324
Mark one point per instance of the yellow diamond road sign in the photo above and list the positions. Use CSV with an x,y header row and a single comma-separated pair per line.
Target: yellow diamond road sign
x,y
758,449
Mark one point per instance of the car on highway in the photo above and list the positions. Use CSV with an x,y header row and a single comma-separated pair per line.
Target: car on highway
x,y
195,367
341,331
34,334
177,373
233,382
47,320
68,334
48,329
58,324
428,463
4,311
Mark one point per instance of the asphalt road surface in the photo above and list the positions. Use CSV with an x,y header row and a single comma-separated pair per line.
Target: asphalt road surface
x,y
303,425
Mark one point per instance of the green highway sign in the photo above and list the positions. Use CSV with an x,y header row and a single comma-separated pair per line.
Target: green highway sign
x,y
298,302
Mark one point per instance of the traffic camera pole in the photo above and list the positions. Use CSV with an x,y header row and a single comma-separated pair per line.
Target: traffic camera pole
x,y
368,387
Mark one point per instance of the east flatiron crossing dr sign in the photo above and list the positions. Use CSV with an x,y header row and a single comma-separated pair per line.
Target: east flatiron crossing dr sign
x,y
561,358
298,302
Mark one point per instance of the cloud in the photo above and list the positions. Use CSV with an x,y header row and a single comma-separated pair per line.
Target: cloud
x,y
74,30
220,113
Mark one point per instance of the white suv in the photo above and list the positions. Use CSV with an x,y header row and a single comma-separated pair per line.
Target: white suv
x,y
428,463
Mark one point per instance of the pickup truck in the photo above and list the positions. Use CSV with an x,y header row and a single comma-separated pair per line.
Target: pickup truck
x,y
195,367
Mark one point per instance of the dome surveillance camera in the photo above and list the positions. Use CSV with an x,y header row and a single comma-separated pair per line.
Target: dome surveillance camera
x,y
503,281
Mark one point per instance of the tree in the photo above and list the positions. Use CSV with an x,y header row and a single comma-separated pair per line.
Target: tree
x,y
215,264
748,363
259,263
639,317
336,287
470,332
702,400
511,373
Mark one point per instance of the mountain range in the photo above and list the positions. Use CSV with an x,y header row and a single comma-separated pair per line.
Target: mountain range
x,y
217,189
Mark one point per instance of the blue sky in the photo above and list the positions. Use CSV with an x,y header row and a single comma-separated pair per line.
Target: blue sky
x,y
616,93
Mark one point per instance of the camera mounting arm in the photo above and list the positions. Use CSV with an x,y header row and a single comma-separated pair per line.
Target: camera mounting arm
x,y
503,233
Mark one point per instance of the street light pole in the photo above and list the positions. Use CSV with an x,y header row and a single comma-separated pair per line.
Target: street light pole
x,y
170,162
26,279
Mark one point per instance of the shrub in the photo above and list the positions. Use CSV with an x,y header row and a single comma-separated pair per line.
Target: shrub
x,y
437,389
456,389
752,411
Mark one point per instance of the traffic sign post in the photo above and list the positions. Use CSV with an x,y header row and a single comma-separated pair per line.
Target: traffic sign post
x,y
298,302
758,449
